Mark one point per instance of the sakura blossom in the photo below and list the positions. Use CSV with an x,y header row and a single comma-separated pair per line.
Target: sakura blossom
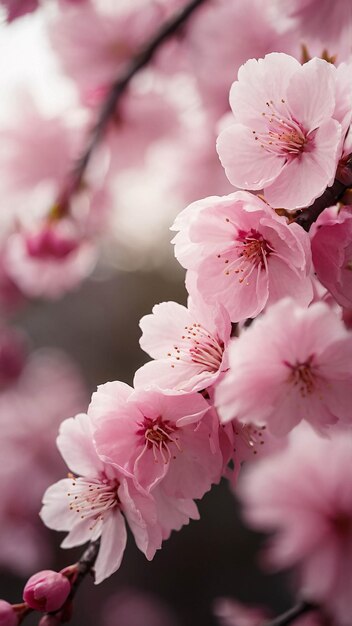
x,y
188,345
331,238
240,253
301,496
156,436
46,590
280,142
90,505
303,372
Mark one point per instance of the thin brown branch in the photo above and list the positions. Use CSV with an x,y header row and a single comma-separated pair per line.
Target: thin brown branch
x,y
290,616
331,196
108,109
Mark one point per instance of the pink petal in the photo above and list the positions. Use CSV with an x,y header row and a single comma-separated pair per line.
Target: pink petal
x,y
163,328
247,165
112,546
306,177
316,80
75,443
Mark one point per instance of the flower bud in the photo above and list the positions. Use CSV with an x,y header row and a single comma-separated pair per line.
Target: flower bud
x,y
8,616
46,591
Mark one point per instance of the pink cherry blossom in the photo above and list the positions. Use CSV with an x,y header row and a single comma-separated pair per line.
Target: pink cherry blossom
x,y
331,238
188,345
303,496
291,364
91,505
283,141
157,437
242,254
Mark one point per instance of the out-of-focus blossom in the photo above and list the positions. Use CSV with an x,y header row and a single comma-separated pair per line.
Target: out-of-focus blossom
x,y
49,237
46,591
157,437
222,36
303,496
326,25
331,239
17,8
188,345
285,139
49,260
37,392
242,254
291,364
132,607
93,42
8,616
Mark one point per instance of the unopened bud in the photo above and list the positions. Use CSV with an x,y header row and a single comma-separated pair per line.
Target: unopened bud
x,y
8,616
46,591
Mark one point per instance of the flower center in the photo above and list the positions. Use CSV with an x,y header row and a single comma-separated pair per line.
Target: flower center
x,y
302,376
251,252
159,436
93,497
48,244
283,135
199,346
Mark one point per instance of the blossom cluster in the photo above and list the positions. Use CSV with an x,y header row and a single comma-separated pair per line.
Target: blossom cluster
x,y
251,380
258,349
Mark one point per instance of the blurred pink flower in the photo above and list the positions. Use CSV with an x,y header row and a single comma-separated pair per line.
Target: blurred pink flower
x,y
133,607
156,436
17,8
291,364
283,141
188,345
242,254
50,259
94,42
37,392
331,240
303,496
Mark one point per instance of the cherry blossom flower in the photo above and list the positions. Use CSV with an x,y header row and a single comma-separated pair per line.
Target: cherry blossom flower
x,y
331,239
242,254
302,496
291,364
17,8
156,436
282,142
46,590
90,505
188,345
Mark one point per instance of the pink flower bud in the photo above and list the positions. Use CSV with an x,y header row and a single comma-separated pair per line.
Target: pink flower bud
x,y
46,591
8,616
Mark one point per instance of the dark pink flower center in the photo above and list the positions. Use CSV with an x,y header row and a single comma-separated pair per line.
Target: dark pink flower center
x,y
250,251
160,436
49,245
93,497
200,347
303,376
283,136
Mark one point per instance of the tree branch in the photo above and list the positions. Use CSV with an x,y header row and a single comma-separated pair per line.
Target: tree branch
x,y
138,62
331,196
292,614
